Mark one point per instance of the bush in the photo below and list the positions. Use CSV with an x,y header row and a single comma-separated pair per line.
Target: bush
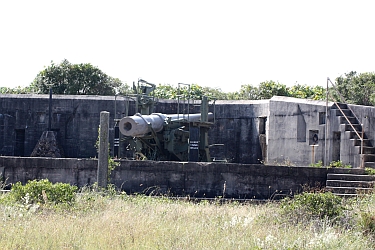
x,y
367,222
322,205
338,164
43,191
319,164
370,171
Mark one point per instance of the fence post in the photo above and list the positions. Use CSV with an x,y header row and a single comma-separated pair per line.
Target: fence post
x,y
102,175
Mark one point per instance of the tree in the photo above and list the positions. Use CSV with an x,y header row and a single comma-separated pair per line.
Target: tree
x,y
167,91
300,91
268,89
356,88
75,79
248,92
17,90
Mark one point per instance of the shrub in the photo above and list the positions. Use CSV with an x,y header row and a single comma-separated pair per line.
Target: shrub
x,y
43,191
319,164
338,164
322,205
370,171
367,222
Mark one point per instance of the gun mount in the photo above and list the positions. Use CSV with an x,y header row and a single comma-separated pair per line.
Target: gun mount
x,y
169,136
140,125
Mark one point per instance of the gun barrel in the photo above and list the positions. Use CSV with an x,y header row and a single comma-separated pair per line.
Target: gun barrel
x,y
139,125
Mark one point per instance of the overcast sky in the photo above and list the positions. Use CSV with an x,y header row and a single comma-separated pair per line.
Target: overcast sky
x,y
217,43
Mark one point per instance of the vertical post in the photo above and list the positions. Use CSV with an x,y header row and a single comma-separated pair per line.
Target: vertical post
x,y
50,110
326,131
362,156
203,133
102,174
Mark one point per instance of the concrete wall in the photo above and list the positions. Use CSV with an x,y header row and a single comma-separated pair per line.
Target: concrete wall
x,y
292,122
74,118
23,118
177,178
276,131
237,127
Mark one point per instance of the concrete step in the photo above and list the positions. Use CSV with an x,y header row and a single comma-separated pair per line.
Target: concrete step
x,y
350,177
341,105
366,149
343,183
369,164
354,135
349,190
356,171
369,157
347,112
356,127
351,119
357,142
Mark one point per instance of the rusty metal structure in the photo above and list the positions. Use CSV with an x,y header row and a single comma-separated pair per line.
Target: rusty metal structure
x,y
170,137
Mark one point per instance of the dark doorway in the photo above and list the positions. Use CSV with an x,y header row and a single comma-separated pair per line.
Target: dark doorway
x,y
19,148
336,146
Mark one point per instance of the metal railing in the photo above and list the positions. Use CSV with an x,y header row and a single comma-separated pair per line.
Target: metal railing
x,y
342,100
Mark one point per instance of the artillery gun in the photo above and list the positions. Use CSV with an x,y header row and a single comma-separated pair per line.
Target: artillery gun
x,y
180,137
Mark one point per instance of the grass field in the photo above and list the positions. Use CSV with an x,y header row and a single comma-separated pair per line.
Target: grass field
x,y
119,221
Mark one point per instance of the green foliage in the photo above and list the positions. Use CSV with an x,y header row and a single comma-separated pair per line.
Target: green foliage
x,y
43,191
319,164
248,92
311,205
265,90
268,89
338,164
367,222
17,90
75,79
370,171
356,88
112,164
167,91
333,164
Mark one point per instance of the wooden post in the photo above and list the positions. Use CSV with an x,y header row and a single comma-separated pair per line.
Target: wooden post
x,y
102,175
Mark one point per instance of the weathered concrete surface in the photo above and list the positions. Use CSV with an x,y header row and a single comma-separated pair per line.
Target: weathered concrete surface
x,y
237,127
275,131
292,122
177,178
75,119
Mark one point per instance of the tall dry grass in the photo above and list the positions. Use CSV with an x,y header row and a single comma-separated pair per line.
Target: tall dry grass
x,y
140,222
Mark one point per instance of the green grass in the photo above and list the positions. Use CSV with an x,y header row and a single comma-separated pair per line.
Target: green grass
x,y
97,220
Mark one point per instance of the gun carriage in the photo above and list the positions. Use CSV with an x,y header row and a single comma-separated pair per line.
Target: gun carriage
x,y
156,136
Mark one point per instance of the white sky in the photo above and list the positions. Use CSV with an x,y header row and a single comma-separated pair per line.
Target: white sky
x,y
211,43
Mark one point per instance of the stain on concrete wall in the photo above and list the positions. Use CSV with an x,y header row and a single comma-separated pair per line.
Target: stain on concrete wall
x,y
242,181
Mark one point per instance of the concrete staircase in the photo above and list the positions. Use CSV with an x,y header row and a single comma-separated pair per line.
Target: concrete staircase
x,y
349,185
352,182
368,149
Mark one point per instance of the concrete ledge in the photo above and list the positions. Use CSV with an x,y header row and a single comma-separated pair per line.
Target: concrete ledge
x,y
210,180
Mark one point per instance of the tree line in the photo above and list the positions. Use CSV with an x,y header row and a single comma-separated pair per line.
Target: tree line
x,y
86,79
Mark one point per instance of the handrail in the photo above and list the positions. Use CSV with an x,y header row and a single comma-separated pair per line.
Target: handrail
x,y
342,99
347,119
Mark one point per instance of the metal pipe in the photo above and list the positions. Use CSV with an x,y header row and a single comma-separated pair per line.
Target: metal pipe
x,y
139,125
362,156
326,133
